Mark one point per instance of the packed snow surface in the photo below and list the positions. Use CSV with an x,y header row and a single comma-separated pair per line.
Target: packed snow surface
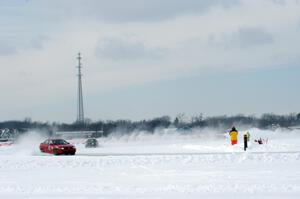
x,y
166,164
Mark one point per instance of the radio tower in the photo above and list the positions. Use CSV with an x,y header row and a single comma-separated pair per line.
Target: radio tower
x,y
80,115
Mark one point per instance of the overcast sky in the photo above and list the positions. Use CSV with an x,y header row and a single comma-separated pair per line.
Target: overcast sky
x,y
148,58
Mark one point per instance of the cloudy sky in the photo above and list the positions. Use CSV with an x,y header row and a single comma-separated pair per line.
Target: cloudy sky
x,y
148,58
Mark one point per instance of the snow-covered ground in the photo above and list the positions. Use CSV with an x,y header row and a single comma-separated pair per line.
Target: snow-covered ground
x,y
163,165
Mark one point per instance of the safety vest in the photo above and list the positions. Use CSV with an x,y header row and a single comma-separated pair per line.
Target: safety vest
x,y
233,135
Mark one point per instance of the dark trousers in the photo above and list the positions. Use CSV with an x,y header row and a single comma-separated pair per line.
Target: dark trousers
x,y
245,142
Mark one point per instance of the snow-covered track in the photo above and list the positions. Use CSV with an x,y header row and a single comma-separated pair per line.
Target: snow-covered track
x,y
182,154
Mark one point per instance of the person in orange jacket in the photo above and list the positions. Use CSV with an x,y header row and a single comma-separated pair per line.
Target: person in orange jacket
x,y
233,135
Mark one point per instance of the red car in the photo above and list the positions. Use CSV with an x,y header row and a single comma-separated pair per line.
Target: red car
x,y
57,147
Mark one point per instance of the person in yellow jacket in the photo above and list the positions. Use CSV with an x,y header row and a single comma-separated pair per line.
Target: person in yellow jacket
x,y
248,136
233,135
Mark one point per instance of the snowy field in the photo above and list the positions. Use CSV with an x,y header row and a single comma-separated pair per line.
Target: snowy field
x,y
162,165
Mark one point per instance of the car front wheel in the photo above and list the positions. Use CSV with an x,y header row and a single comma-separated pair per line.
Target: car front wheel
x,y
55,152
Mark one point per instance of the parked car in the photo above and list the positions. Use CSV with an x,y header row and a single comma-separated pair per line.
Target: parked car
x,y
57,147
91,143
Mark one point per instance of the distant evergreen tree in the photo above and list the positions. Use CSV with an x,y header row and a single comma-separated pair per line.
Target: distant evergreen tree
x,y
176,122
298,117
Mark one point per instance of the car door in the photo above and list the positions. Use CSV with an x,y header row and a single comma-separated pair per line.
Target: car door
x,y
50,146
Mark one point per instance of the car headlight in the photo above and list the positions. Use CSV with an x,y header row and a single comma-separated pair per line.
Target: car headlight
x,y
62,148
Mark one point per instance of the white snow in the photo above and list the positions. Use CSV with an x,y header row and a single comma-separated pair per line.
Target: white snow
x,y
162,165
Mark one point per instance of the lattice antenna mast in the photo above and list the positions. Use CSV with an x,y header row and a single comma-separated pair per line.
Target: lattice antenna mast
x,y
80,114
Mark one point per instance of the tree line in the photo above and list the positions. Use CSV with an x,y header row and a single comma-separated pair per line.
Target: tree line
x,y
181,122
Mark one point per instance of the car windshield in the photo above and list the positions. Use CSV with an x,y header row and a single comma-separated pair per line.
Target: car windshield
x,y
59,142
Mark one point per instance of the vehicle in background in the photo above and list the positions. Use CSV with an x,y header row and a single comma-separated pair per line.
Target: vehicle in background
x,y
57,147
91,143
6,142
8,135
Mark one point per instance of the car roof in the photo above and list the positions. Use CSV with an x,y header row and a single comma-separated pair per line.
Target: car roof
x,y
56,139
52,139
